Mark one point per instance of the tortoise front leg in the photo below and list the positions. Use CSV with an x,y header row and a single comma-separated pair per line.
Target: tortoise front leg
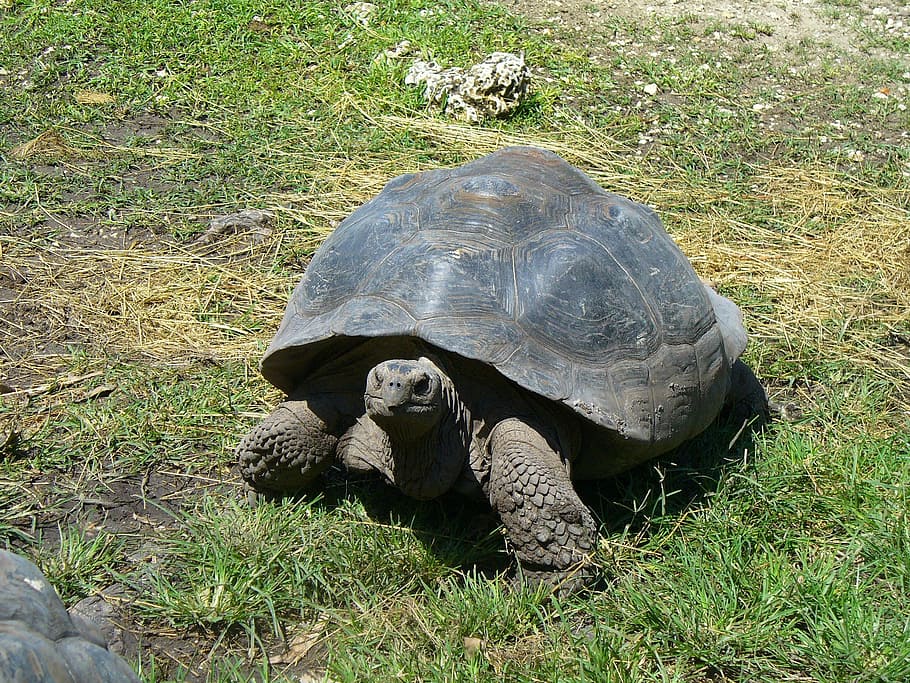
x,y
289,449
552,532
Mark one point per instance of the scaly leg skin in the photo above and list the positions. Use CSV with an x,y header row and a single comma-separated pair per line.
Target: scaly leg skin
x,y
552,532
288,450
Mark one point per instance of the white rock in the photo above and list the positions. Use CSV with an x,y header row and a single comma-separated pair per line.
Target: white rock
x,y
494,87
650,89
361,11
399,50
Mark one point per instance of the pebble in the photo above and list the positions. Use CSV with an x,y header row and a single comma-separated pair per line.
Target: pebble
x,y
361,11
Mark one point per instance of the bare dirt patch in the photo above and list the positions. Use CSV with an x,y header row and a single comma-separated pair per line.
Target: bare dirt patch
x,y
798,57
777,25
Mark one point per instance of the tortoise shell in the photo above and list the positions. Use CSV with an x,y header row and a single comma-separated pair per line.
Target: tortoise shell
x,y
521,261
40,642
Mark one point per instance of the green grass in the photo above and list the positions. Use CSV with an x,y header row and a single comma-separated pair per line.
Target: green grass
x,y
81,565
128,351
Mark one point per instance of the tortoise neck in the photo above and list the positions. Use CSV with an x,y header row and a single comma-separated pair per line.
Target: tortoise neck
x,y
428,465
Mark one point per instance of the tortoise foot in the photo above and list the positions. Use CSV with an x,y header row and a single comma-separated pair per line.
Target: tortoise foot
x,y
287,450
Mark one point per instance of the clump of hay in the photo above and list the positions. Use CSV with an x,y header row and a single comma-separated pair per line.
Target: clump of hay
x,y
50,144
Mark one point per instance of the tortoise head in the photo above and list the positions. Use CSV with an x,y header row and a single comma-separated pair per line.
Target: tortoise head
x,y
405,397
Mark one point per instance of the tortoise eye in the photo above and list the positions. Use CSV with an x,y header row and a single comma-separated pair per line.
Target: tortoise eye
x,y
422,386
375,379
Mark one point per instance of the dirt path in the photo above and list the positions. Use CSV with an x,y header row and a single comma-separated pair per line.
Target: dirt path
x,y
838,25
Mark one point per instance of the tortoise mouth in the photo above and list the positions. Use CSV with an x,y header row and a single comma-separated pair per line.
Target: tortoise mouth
x,y
404,423
404,420
376,407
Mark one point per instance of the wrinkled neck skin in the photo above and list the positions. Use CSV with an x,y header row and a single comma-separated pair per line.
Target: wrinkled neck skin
x,y
427,465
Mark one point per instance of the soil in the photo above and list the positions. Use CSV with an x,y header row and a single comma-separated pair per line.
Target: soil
x,y
779,24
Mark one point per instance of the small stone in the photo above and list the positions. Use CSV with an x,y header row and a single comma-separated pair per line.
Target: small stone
x,y
253,221
96,620
399,50
650,89
361,12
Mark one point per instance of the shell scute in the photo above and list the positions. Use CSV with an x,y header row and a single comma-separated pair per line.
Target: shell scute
x,y
576,303
460,281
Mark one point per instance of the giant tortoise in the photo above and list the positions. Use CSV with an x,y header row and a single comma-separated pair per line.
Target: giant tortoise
x,y
504,328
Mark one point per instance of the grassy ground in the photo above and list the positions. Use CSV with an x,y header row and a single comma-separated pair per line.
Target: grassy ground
x,y
129,346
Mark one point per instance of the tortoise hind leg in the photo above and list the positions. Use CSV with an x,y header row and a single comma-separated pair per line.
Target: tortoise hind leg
x,y
550,529
746,399
289,449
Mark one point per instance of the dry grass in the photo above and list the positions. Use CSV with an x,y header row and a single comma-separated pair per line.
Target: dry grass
x,y
49,143
166,304
836,291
